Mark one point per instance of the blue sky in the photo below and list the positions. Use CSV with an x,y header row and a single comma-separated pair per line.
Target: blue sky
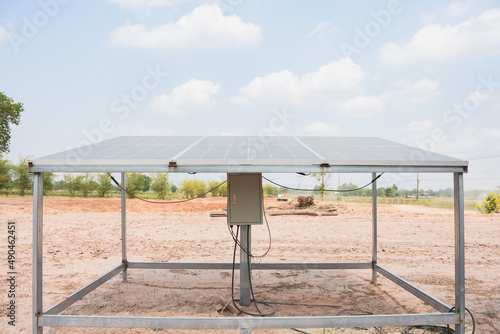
x,y
423,73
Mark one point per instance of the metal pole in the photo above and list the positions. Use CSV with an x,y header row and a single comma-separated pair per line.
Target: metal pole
x,y
37,251
374,225
245,263
124,226
458,179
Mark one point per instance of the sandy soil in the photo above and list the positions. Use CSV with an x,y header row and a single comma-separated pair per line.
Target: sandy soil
x,y
82,241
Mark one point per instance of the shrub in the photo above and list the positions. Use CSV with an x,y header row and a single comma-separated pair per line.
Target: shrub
x,y
193,188
491,204
160,185
221,191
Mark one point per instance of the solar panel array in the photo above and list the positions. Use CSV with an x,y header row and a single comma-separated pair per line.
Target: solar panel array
x,y
233,150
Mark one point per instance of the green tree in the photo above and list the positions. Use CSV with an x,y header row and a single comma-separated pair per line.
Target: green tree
x,y
160,185
351,186
193,188
103,184
22,179
270,190
87,184
144,182
72,184
220,191
135,183
322,178
48,182
10,113
5,175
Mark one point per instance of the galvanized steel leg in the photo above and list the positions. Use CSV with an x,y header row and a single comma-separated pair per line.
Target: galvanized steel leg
x,y
459,252
245,263
124,226
374,225
37,251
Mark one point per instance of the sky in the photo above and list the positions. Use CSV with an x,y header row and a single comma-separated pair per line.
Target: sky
x,y
421,73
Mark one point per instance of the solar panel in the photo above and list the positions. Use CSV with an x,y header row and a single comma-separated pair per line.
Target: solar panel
x,y
275,151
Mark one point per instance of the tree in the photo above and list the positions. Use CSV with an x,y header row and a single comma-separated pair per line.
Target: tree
x,y
72,184
323,179
270,190
144,182
351,186
23,179
48,182
135,183
103,184
5,176
193,188
10,113
87,184
221,191
160,185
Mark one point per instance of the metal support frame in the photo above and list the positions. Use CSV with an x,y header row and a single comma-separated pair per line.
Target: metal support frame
x,y
124,225
37,252
458,186
245,265
52,318
374,228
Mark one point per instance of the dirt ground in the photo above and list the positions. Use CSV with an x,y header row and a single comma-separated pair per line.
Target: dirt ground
x,y
82,241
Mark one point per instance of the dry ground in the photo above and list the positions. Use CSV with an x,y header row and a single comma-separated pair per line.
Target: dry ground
x,y
82,241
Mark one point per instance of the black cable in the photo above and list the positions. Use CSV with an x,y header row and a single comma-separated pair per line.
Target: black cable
x,y
170,202
330,190
442,329
308,305
260,314
230,228
431,329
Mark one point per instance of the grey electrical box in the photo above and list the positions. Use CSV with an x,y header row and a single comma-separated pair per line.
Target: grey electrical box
x,y
244,198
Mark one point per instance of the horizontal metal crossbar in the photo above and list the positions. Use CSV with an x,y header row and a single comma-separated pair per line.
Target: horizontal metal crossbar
x,y
124,168
248,322
422,295
255,266
79,294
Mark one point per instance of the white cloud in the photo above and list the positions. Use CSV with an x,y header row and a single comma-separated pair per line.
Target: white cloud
x,y
359,106
139,4
333,80
322,30
420,92
322,128
205,27
435,43
4,35
418,127
458,8
192,96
